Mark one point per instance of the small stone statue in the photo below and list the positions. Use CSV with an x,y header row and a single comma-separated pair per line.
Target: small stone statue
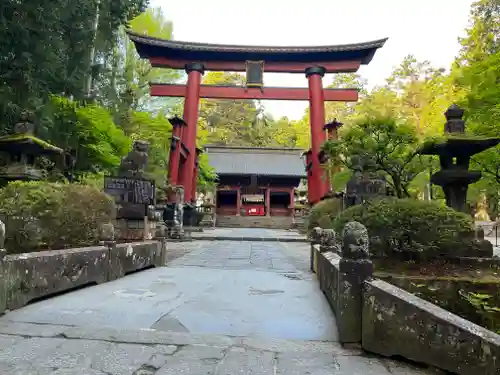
x,y
178,230
316,235
107,233
356,242
328,237
24,125
135,163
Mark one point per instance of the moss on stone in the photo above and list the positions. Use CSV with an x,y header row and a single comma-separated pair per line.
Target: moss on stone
x,y
22,139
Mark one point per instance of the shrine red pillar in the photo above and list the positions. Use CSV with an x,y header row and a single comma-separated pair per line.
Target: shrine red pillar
x,y
191,103
311,196
175,150
317,120
268,201
195,174
238,201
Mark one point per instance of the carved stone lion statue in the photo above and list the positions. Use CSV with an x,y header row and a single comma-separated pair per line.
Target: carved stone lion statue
x,y
356,242
135,163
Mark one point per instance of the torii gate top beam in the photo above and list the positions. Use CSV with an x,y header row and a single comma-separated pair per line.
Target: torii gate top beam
x,y
217,57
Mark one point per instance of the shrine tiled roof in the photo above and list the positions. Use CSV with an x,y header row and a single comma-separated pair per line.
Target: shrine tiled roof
x,y
279,162
148,46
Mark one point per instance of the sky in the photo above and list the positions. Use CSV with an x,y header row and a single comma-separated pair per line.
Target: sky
x,y
428,29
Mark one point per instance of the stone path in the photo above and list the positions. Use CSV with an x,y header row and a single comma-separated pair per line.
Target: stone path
x,y
249,234
221,307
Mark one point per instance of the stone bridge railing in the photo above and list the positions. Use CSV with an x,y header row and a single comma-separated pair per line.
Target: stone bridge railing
x,y
386,320
32,276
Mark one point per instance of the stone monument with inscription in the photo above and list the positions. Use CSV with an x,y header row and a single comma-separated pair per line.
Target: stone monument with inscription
x,y
365,184
134,196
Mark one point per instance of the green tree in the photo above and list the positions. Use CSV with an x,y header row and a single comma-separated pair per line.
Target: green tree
x,y
228,122
125,81
88,130
477,73
382,145
483,37
46,48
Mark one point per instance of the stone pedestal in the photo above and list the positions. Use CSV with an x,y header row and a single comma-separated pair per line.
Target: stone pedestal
x,y
135,230
3,269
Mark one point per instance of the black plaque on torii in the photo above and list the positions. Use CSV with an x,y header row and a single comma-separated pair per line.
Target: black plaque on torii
x,y
255,74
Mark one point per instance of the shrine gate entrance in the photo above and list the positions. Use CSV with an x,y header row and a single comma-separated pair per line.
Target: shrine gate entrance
x,y
196,58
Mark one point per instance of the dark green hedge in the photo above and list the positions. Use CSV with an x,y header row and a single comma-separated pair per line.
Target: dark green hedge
x,y
323,214
411,229
42,215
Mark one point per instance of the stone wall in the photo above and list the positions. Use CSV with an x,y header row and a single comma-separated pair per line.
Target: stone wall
x,y
477,300
31,276
389,321
270,222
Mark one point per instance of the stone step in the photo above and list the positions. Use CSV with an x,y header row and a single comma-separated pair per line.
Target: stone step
x,y
269,222
61,350
157,337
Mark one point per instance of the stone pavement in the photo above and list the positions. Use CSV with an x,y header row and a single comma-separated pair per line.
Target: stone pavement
x,y
225,308
249,234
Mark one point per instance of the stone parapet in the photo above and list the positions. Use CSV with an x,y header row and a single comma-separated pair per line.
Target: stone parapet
x,y
32,276
398,323
389,321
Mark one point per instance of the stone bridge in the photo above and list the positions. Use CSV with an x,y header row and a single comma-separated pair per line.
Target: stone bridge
x,y
232,302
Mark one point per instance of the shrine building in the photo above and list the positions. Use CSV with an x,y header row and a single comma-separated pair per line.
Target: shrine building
x,y
256,183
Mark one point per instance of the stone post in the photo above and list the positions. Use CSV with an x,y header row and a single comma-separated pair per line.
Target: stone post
x,y
355,268
178,229
315,237
107,238
322,240
161,254
3,252
3,270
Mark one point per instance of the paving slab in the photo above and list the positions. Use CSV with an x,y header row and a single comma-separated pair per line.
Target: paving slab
x,y
111,351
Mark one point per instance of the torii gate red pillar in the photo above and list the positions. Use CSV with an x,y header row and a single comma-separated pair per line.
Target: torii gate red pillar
x,y
191,104
319,182
175,149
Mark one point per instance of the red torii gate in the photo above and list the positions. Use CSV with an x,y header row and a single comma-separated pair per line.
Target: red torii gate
x,y
196,58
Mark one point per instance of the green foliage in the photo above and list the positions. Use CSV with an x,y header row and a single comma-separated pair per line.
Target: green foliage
x,y
482,39
379,145
206,174
231,122
409,228
486,313
157,130
46,48
87,129
42,215
323,214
